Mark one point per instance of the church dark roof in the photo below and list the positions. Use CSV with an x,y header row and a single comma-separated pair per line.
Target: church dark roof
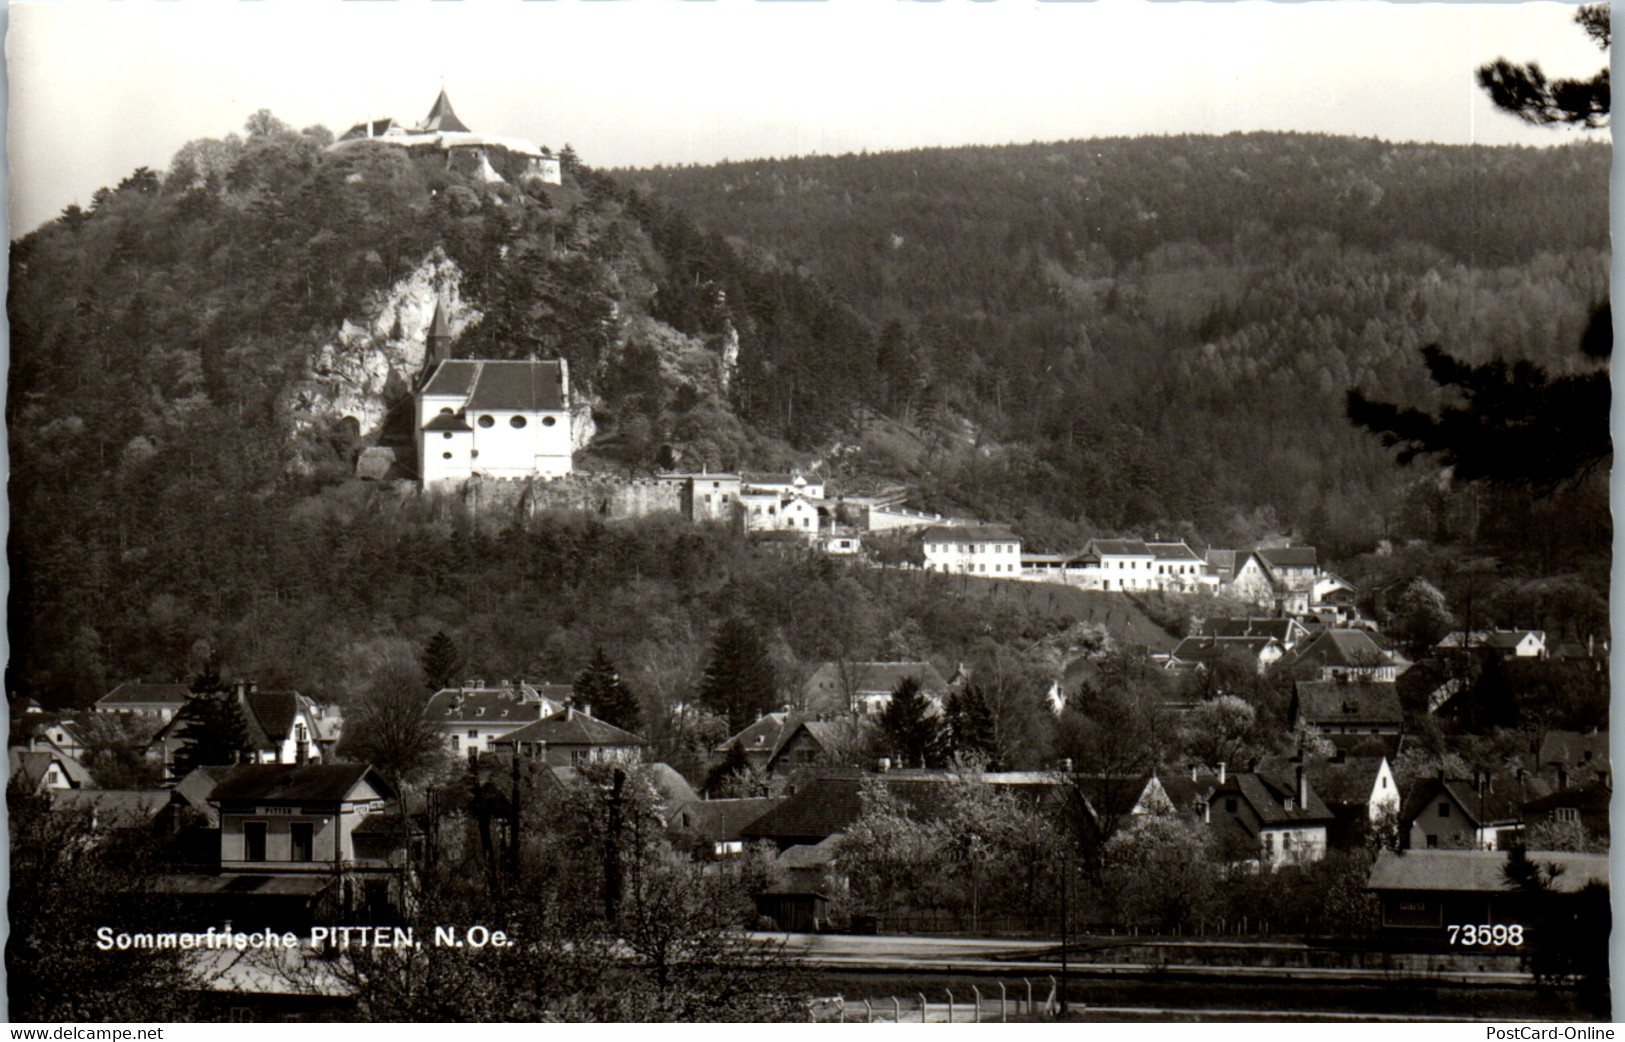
x,y
528,386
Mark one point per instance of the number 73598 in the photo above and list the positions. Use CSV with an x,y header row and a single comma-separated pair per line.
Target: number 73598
x,y
1485,935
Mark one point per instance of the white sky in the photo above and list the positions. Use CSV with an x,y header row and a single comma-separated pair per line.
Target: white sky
x,y
99,88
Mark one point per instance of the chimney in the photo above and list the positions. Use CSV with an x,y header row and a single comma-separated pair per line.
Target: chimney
x,y
1303,787
1207,809
1066,765
586,710
883,765
1193,772
1221,772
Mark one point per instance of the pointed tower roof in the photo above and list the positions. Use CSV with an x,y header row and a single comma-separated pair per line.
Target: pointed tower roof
x,y
437,325
441,117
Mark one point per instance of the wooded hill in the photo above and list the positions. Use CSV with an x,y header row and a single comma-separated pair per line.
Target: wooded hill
x,y
1153,331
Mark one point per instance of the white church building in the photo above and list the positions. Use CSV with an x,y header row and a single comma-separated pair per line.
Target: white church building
x,y
497,419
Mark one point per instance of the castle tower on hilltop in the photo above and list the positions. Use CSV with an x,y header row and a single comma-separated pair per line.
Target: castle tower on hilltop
x,y
441,137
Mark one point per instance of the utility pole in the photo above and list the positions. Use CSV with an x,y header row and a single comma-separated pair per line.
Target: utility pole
x,y
1066,870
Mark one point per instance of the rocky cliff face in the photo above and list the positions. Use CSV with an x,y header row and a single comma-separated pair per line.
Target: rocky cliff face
x,y
371,365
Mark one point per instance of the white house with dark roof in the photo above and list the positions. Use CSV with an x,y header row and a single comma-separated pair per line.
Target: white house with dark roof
x,y
499,419
1178,567
472,718
972,550
573,739
159,701
1118,564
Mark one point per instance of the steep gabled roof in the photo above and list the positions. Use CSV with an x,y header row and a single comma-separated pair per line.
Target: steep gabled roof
x,y
1347,702
31,766
274,712
1497,801
571,728
1268,794
1208,649
761,736
197,787
290,782
1339,783
830,799
1573,749
1335,648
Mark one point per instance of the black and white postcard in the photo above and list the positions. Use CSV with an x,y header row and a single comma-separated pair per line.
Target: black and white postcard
x,y
1003,512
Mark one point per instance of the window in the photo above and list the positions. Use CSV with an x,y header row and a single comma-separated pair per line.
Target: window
x,y
445,455
473,734
304,841
487,421
1230,805
454,740
1444,810
516,422
446,436
446,411
253,841
547,421
1433,842
1567,814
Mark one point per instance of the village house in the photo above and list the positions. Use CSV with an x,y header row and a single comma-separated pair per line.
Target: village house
x,y
758,741
1177,566
813,742
1337,654
443,138
1484,812
706,496
774,511
1346,706
1573,756
573,738
1287,632
280,727
1204,652
1585,806
782,484
710,829
37,771
972,550
1279,578
1508,644
472,717
1360,791
133,698
1273,818
1117,564
865,688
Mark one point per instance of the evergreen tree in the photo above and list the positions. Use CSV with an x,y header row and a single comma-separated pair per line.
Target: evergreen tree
x,y
1524,90
739,680
908,728
600,686
442,661
734,763
971,728
212,733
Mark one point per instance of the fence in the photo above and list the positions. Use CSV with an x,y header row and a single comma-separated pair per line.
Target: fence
x,y
996,1002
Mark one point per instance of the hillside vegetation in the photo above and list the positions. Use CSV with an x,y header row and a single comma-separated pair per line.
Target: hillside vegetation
x,y
1154,331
